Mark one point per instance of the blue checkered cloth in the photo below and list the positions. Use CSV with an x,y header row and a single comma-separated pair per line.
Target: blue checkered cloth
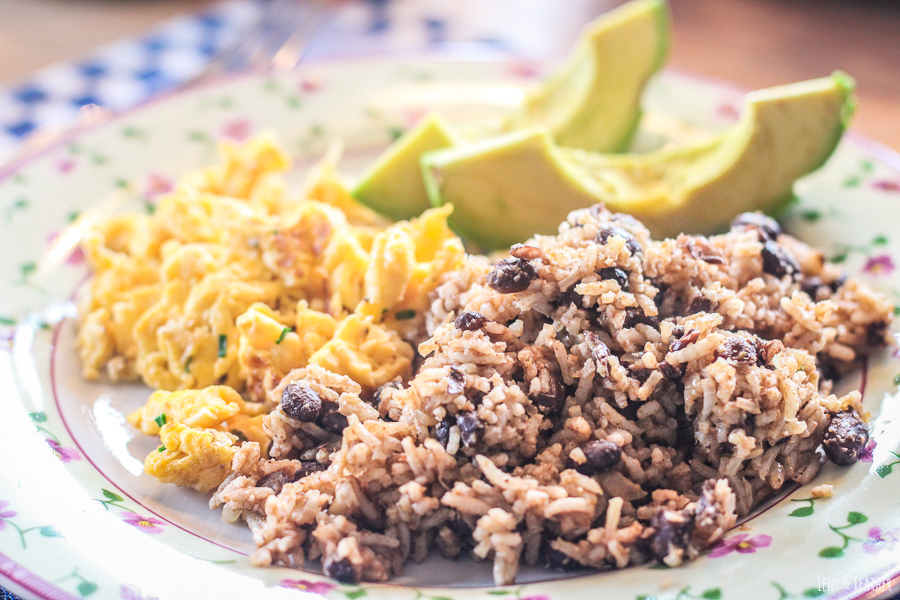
x,y
123,74
4,595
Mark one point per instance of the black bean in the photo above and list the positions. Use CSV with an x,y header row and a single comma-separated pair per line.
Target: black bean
x,y
331,419
766,227
684,340
275,481
672,372
634,247
570,296
828,371
672,531
739,350
557,560
382,389
308,467
343,570
600,456
776,261
813,286
551,400
462,531
616,274
700,304
470,428
875,334
442,431
512,275
456,381
661,287
838,283
301,402
636,316
845,438
642,374
470,320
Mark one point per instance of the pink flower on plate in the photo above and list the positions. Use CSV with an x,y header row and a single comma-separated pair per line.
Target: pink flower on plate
x,y
64,454
742,542
882,264
886,185
5,514
311,83
64,165
157,184
314,587
237,129
413,116
728,111
868,449
524,69
880,540
148,524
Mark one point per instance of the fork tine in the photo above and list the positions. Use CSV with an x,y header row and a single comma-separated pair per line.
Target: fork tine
x,y
282,23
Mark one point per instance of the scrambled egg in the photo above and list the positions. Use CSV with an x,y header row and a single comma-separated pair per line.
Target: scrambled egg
x,y
232,282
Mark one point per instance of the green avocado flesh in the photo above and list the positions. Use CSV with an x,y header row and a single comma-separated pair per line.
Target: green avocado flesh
x,y
510,187
592,101
393,185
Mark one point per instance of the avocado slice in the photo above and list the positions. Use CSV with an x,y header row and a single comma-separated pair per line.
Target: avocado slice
x,y
510,187
593,101
392,185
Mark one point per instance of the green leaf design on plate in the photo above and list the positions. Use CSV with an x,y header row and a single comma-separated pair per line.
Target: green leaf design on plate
x,y
357,593
811,215
50,531
888,468
38,417
813,593
803,511
7,321
856,518
712,594
831,552
112,496
86,588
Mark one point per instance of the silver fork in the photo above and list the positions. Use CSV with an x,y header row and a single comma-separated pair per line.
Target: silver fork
x,y
276,42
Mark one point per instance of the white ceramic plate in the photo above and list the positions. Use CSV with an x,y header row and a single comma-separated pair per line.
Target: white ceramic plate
x,y
79,519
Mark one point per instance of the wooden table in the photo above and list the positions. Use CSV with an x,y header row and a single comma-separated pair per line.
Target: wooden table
x,y
754,43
